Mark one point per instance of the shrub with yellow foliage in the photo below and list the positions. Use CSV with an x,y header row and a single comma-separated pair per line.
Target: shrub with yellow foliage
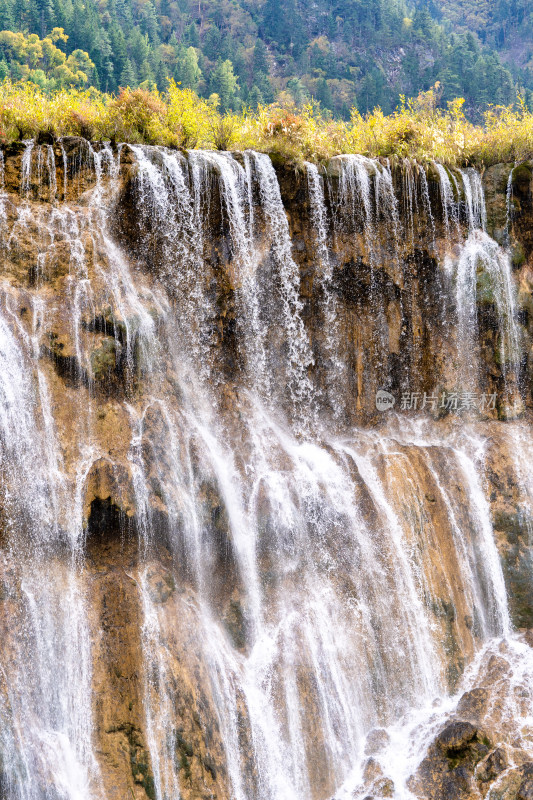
x,y
179,118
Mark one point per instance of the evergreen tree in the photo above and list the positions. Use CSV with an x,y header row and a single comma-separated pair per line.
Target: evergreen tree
x,y
274,24
187,72
260,71
149,24
224,83
297,90
128,75
323,94
138,47
255,97
212,44
260,58
7,19
191,36
119,53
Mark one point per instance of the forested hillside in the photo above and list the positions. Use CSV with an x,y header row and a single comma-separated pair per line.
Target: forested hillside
x,y
342,53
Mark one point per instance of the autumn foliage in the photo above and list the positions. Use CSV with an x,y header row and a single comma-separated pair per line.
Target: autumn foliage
x,y
178,118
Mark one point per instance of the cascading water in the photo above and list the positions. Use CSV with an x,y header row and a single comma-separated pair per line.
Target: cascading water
x,y
46,711
482,272
215,583
449,206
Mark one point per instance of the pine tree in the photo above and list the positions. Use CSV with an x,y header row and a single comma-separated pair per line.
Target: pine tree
x,y
274,23
224,83
323,94
128,76
7,20
191,36
188,73
255,97
149,23
212,44
260,58
119,53
297,90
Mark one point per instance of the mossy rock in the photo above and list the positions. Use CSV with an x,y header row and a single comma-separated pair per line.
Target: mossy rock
x,y
484,288
110,323
140,765
514,784
161,587
518,255
184,752
235,623
456,179
514,522
521,177
105,359
333,167
510,409
525,299
463,744
282,160
432,172
518,572
495,178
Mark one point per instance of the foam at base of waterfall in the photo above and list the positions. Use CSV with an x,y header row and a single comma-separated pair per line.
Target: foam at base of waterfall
x,y
405,744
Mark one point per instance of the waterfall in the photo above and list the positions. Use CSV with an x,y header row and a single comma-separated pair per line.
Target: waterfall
x,y
355,194
300,355
223,568
475,200
449,206
508,207
46,709
426,202
336,369
483,267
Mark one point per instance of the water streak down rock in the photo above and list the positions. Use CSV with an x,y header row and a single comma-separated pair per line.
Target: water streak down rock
x,y
224,571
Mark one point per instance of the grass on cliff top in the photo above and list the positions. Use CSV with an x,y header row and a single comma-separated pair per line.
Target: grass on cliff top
x,y
179,118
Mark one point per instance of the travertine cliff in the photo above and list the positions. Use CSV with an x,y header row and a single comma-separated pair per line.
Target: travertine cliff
x,y
221,565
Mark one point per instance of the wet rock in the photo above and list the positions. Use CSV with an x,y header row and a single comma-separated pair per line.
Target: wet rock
x,y
521,177
393,329
525,791
105,359
514,784
58,348
384,788
447,772
492,766
372,770
376,783
455,737
376,740
473,704
234,620
161,585
108,485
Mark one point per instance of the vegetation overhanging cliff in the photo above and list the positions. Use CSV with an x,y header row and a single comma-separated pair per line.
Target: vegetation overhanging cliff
x,y
179,118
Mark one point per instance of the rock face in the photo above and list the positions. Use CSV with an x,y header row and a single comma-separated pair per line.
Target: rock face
x,y
225,572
